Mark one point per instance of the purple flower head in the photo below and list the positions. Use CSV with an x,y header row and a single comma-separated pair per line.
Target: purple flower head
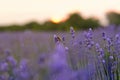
x,y
89,34
23,64
72,31
7,52
103,61
57,39
92,43
109,44
63,38
111,57
104,36
42,61
89,39
97,47
2,77
90,30
4,66
24,75
109,41
117,36
42,58
11,60
99,50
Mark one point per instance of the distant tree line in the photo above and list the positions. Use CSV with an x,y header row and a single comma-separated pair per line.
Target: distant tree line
x,y
75,20
113,18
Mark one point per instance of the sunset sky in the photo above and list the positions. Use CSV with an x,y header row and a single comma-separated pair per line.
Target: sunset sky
x,y
22,11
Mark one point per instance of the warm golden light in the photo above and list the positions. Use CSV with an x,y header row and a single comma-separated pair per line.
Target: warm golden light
x,y
16,11
56,20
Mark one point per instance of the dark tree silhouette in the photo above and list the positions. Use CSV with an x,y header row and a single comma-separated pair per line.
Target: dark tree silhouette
x,y
75,20
113,18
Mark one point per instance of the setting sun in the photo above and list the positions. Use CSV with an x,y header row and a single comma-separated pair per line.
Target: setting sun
x,y
56,20
16,11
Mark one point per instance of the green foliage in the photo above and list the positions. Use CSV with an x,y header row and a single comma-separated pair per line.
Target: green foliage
x,y
79,23
75,20
113,18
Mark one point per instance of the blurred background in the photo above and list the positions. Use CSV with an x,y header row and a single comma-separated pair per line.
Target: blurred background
x,y
57,15
27,29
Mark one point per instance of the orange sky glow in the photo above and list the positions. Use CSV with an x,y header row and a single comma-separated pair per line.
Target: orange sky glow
x,y
23,11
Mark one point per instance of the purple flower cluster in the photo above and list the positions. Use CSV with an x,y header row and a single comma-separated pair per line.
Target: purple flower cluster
x,y
84,55
103,57
11,69
88,39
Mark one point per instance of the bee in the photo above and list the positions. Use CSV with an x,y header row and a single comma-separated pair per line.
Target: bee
x,y
57,39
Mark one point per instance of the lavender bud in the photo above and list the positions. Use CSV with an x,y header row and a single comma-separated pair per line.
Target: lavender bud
x,y
103,61
89,46
7,52
111,57
97,47
2,77
104,36
3,66
90,33
66,48
90,30
11,61
23,64
63,38
108,40
55,38
72,31
92,43
42,58
117,36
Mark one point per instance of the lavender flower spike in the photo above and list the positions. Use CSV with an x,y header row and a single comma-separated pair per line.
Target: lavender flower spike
x,y
72,31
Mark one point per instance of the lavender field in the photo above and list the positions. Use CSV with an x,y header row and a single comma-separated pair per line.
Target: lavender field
x,y
74,55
